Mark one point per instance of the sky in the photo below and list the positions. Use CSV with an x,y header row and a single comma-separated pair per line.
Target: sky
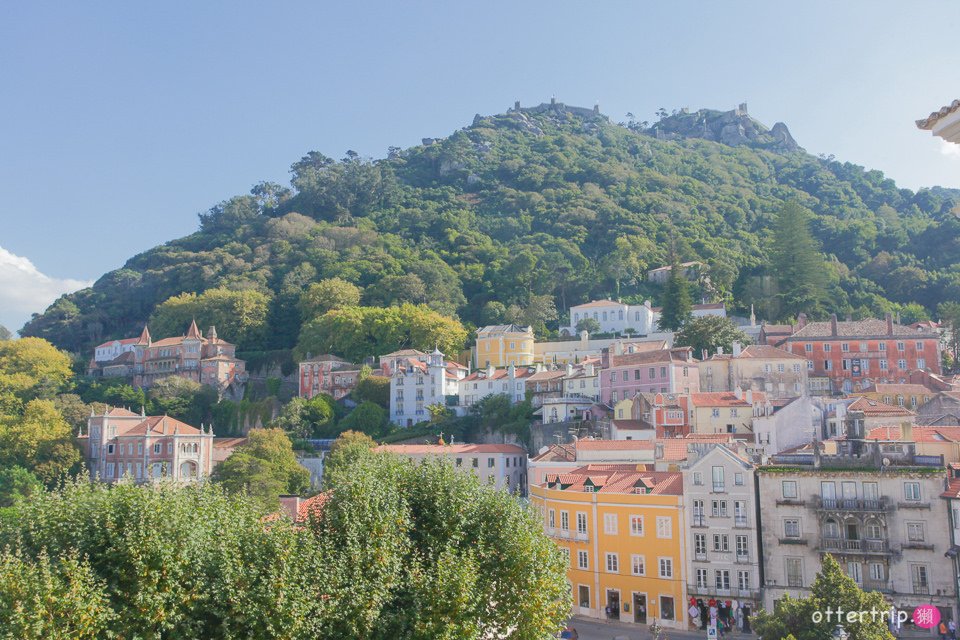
x,y
121,121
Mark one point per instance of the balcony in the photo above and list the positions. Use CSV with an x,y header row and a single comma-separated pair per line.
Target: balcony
x,y
851,504
740,522
913,504
791,502
921,589
876,585
719,487
743,558
842,545
917,546
792,540
582,536
700,555
732,592
699,520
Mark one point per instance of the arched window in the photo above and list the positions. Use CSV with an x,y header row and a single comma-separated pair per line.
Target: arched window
x,y
831,529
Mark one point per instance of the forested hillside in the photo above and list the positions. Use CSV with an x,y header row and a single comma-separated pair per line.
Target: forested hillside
x,y
520,215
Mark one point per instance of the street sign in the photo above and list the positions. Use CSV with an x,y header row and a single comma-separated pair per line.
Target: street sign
x,y
712,632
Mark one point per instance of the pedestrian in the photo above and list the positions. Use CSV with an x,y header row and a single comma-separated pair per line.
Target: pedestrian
x,y
943,630
952,628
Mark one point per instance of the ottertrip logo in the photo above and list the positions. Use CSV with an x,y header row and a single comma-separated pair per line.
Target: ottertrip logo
x,y
926,616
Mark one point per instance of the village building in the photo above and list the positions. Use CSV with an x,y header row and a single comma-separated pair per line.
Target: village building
x,y
942,409
727,411
122,444
503,345
327,374
874,505
207,360
480,384
502,466
853,355
625,374
775,372
621,531
417,383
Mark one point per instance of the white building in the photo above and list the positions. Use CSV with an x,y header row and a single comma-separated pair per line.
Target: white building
x,y
113,349
416,384
561,352
502,465
797,423
509,381
613,317
723,560
565,458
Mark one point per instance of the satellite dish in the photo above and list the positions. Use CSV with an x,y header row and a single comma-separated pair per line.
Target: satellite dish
x,y
886,462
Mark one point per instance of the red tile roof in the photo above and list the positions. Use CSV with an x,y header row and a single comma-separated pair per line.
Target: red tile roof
x,y
620,479
596,303
899,389
675,449
877,409
920,434
724,399
119,412
614,445
162,426
764,351
930,121
953,489
448,449
557,453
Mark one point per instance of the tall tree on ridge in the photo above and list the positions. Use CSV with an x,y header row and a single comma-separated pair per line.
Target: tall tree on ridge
x,y
677,306
797,264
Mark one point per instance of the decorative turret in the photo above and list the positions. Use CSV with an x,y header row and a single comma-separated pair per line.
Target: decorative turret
x,y
145,339
212,332
436,358
193,331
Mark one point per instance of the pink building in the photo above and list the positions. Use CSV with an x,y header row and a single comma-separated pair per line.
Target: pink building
x,y
206,360
328,374
121,443
624,375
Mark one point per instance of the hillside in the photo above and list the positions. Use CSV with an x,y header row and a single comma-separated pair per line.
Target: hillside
x,y
520,215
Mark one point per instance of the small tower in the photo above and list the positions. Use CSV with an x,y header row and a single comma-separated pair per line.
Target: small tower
x,y
212,332
193,331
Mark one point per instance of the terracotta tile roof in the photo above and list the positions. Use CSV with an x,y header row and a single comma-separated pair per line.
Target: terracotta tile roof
x,y
500,329
899,389
162,426
450,364
930,121
766,351
119,412
675,449
648,357
620,479
857,328
953,489
448,449
557,453
311,508
724,399
124,341
614,445
228,443
555,374
875,408
631,425
596,303
500,374
920,434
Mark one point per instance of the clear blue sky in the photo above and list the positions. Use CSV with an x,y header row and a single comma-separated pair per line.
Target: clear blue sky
x,y
120,121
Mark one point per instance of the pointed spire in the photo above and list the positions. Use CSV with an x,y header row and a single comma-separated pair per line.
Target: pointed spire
x,y
193,331
212,332
145,337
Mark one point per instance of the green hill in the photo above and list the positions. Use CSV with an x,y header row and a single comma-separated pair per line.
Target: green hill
x,y
520,215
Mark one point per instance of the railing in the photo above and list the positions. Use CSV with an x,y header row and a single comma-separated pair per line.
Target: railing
x,y
876,585
582,536
700,555
865,546
913,504
711,590
743,558
795,502
699,520
921,589
851,504
793,541
719,487
740,522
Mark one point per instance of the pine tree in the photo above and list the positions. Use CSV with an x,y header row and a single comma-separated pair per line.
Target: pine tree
x,y
797,264
677,305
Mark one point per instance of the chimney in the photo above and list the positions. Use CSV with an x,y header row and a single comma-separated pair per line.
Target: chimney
x,y
490,370
569,369
833,324
736,349
906,432
719,351
590,371
889,318
618,348
584,337
749,397
738,392
801,320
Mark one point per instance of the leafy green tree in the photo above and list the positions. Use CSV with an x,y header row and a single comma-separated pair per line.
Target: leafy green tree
x,y
358,332
326,295
446,547
16,483
375,389
366,417
708,333
39,440
831,589
797,264
677,304
42,598
240,316
265,468
345,451
308,418
183,399
114,570
73,409
31,368
589,325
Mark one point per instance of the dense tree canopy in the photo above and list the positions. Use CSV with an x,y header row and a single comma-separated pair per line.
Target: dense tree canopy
x,y
707,333
396,550
239,316
264,468
521,215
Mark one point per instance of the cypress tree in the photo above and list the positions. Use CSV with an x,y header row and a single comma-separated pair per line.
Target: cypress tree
x,y
797,264
677,304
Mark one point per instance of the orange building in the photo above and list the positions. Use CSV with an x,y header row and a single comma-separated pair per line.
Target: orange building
x,y
621,529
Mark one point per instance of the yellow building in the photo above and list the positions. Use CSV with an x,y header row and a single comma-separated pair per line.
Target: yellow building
x,y
909,396
622,529
501,345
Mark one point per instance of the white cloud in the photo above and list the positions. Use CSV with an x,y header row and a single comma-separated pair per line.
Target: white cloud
x,y
949,148
25,290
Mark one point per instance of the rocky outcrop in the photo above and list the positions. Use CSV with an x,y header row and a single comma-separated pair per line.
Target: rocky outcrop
x,y
734,128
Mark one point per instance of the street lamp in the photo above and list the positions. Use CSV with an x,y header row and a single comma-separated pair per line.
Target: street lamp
x,y
840,633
